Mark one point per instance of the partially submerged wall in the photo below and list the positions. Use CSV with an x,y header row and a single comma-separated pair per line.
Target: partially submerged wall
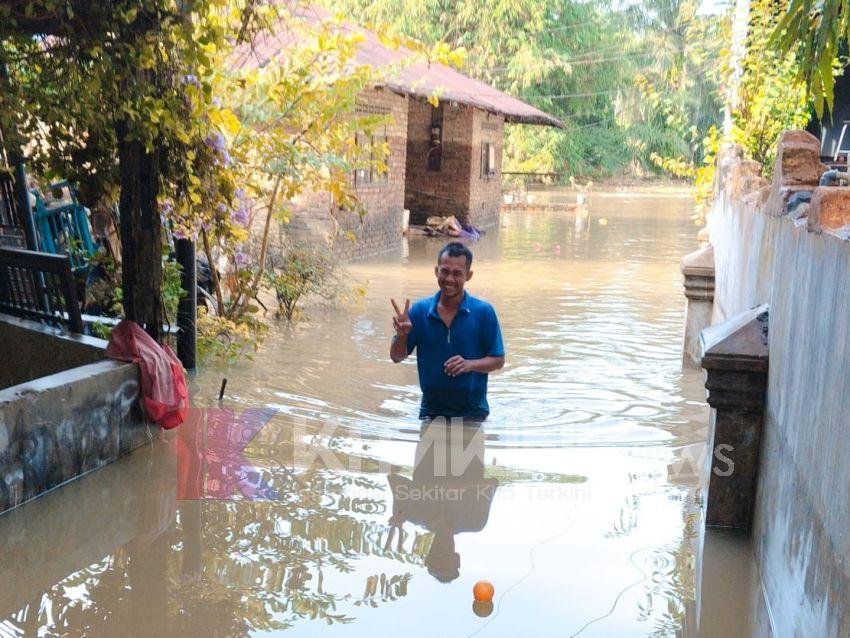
x,y
85,522
61,426
486,190
438,190
799,263
458,187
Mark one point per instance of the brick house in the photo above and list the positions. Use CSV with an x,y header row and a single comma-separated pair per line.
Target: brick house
x,y
443,160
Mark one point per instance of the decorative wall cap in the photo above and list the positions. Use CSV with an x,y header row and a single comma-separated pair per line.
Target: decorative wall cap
x,y
739,343
699,263
798,159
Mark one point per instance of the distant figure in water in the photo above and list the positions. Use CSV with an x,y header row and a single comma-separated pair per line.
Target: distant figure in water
x,y
582,192
457,340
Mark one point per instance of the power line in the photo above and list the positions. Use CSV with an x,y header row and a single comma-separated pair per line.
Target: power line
x,y
558,96
586,59
601,20
570,63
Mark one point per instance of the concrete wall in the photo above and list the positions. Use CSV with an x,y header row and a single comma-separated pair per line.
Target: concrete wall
x,y
802,270
315,220
30,350
58,427
458,188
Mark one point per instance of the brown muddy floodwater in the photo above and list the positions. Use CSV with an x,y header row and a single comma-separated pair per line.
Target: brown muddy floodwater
x,y
579,499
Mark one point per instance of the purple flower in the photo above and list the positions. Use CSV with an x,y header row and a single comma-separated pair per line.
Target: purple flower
x,y
179,234
240,216
191,79
217,143
221,208
166,207
242,259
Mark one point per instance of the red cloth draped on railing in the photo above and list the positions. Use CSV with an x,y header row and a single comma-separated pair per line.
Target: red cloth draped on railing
x,y
165,396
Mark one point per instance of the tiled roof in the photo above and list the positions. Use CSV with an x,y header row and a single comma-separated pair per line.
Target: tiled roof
x,y
418,79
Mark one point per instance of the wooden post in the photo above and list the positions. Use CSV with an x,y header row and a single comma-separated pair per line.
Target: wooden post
x,y
187,310
141,233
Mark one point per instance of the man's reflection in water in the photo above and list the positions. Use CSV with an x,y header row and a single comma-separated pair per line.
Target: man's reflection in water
x,y
448,493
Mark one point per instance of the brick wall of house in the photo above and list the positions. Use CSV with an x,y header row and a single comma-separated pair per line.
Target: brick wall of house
x,y
486,191
444,192
379,231
458,188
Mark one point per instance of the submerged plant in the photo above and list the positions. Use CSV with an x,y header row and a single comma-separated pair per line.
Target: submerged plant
x,y
228,340
299,275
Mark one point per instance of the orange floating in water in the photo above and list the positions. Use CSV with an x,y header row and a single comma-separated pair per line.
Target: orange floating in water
x,y
483,591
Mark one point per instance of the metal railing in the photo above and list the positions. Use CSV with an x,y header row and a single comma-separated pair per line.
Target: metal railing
x,y
11,227
39,286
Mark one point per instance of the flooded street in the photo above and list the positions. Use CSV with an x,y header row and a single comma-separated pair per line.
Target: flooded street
x,y
579,498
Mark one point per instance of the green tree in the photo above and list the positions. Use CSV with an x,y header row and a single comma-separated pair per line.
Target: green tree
x,y
202,140
676,99
816,31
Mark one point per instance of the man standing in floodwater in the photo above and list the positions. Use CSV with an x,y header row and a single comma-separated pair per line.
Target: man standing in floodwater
x,y
457,340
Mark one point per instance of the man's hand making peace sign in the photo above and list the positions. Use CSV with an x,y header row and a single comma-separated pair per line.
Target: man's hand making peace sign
x,y
403,325
401,321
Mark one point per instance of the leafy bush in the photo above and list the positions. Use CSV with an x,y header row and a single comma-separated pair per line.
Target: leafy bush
x,y
228,340
172,289
301,274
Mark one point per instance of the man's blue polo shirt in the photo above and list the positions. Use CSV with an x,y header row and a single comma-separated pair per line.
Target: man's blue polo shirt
x,y
474,334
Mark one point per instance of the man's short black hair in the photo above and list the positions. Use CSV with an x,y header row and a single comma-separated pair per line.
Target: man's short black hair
x,y
456,249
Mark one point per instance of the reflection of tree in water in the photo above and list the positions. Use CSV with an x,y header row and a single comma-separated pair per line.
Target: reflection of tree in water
x,y
316,526
235,566
670,570
627,520
381,588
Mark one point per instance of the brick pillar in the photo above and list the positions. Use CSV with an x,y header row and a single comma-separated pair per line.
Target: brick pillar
x,y
830,210
735,361
698,270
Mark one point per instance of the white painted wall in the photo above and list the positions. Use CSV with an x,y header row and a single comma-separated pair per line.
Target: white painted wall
x,y
802,520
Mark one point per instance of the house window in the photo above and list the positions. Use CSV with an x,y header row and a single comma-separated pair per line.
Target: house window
x,y
488,159
375,144
379,146
435,143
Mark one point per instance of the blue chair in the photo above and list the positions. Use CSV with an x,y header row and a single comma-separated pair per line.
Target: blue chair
x,y
63,225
